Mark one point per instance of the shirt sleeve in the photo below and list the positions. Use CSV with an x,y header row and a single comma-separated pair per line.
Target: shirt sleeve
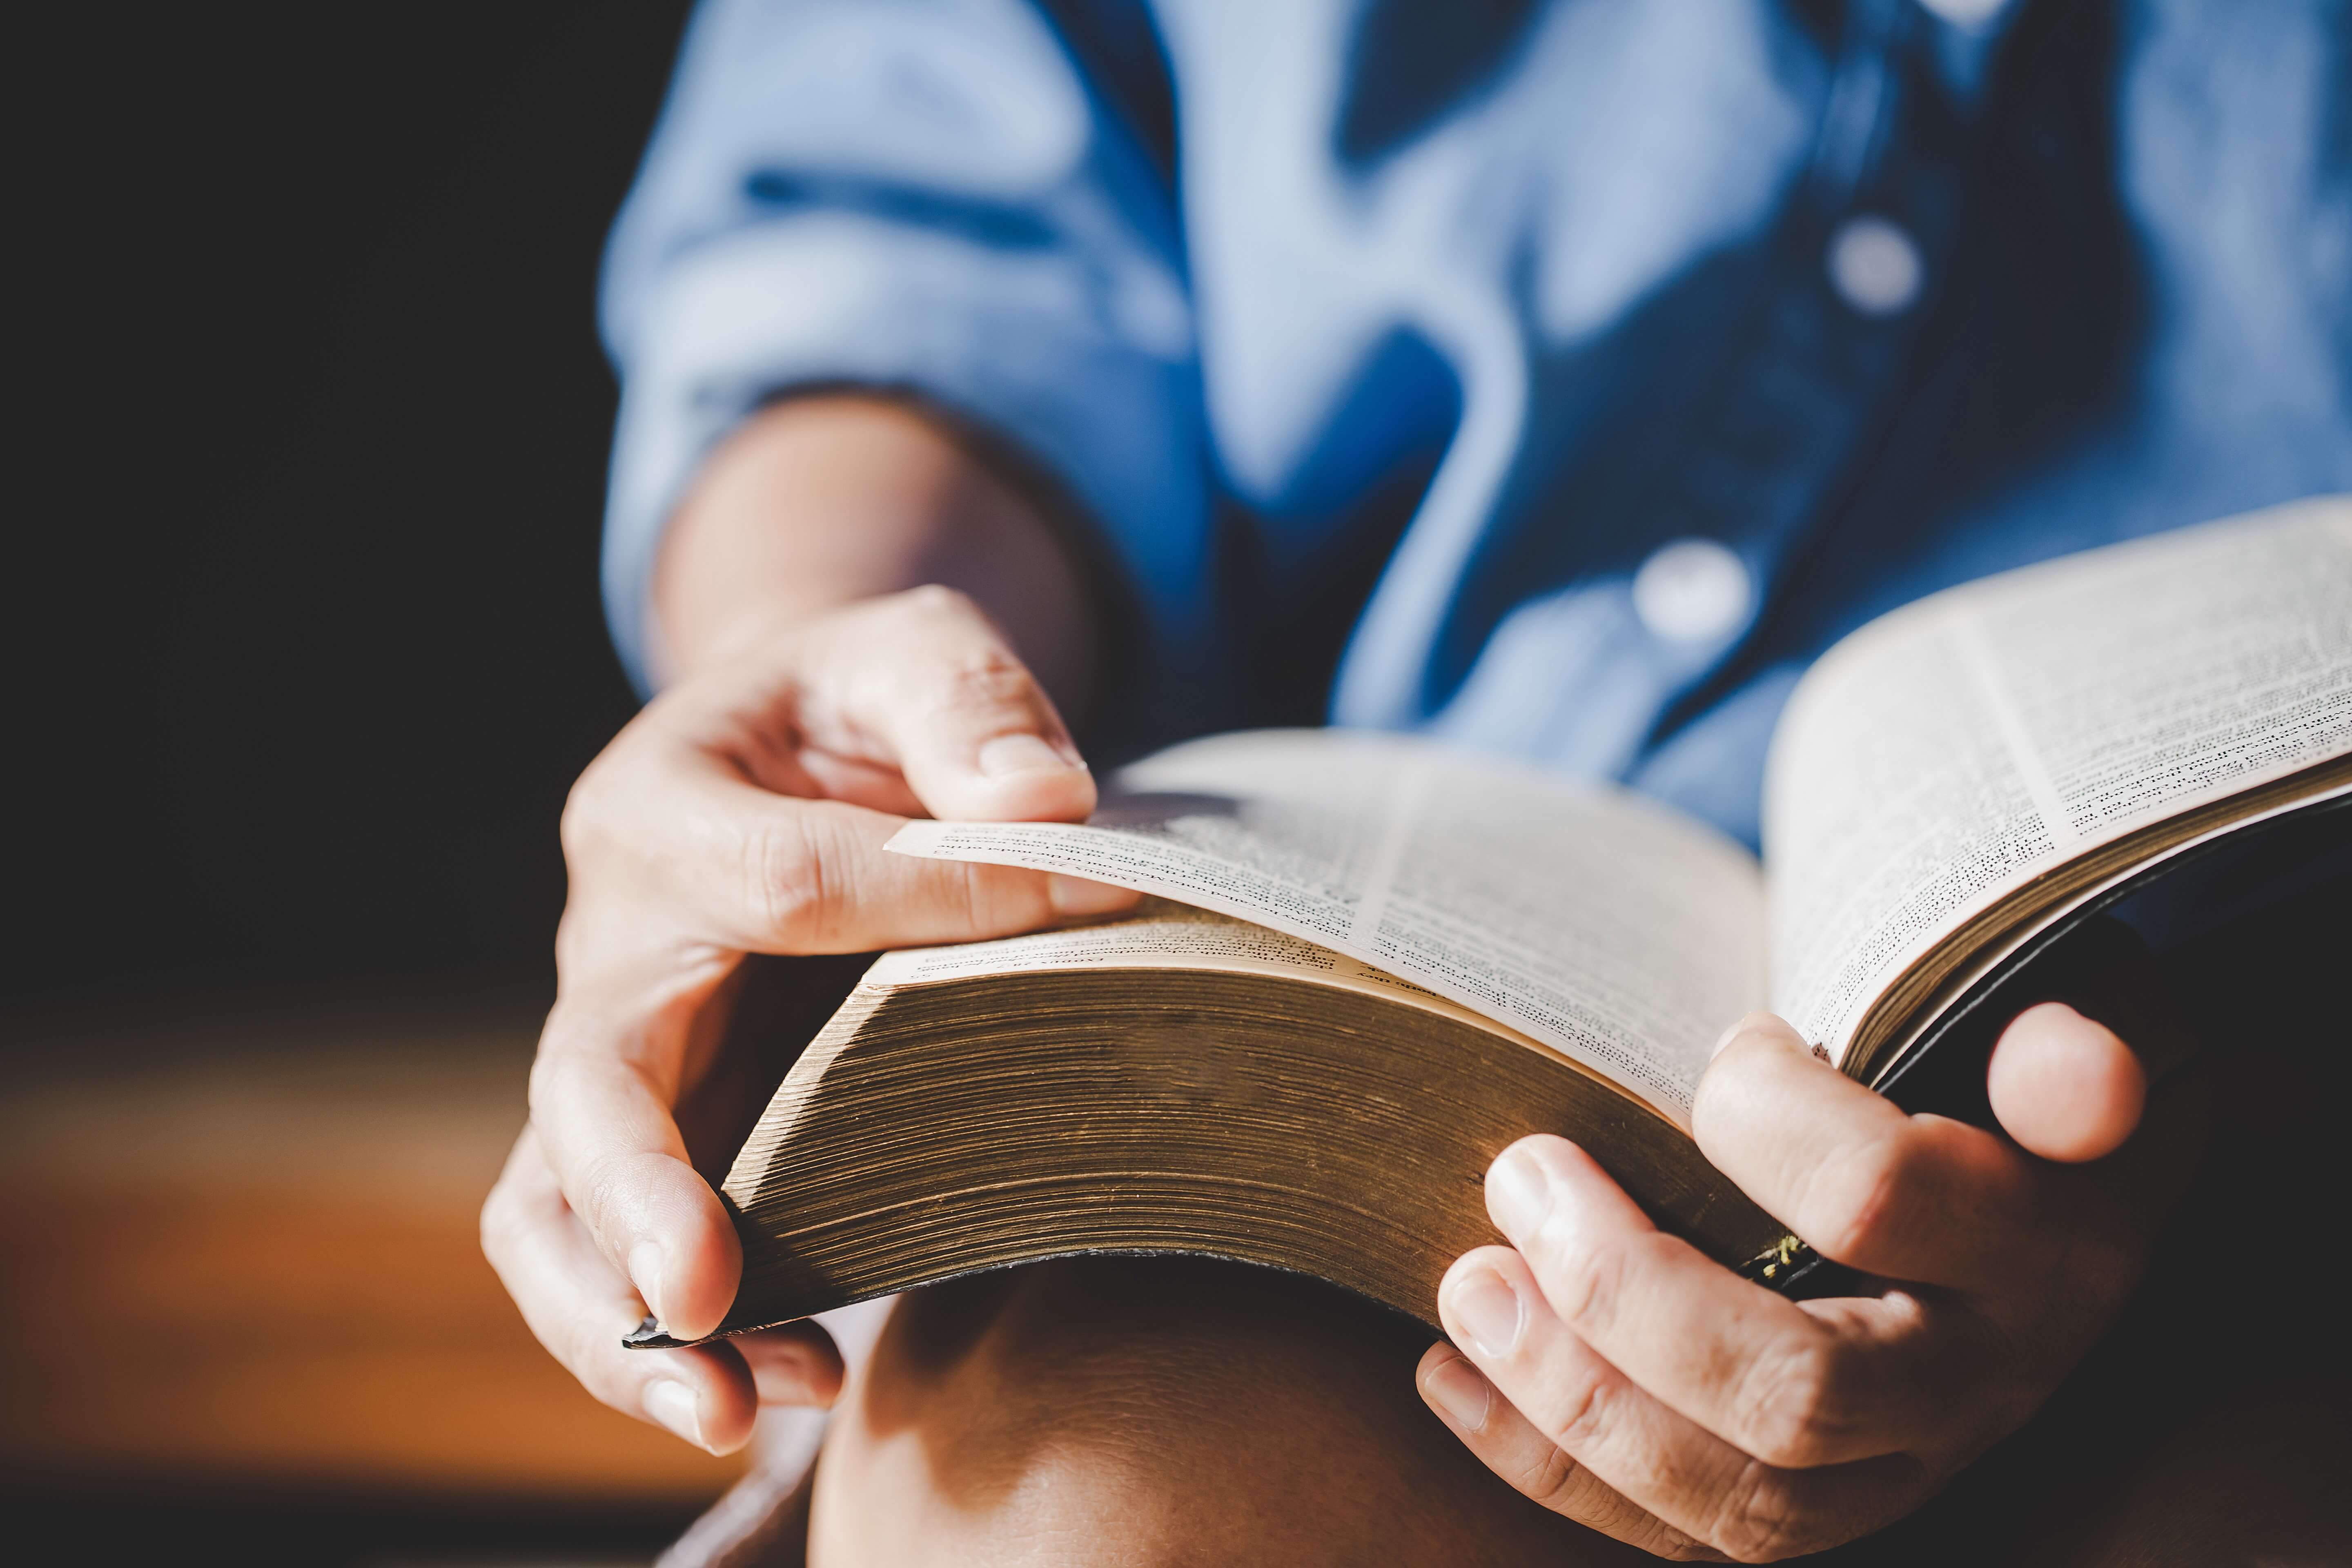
x,y
927,195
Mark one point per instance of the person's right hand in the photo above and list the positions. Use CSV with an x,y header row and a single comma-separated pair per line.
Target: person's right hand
x,y
745,811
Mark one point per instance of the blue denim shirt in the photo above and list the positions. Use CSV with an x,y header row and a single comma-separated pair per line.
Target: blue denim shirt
x,y
1557,378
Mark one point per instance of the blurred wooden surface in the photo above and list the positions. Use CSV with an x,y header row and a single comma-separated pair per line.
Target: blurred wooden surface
x,y
239,1239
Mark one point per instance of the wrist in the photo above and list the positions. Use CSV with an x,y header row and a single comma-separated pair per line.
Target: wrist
x,y
821,501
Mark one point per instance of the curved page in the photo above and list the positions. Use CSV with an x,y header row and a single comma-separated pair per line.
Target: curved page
x,y
1603,926
1948,754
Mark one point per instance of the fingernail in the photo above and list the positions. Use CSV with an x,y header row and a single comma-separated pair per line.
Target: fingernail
x,y
1490,1313
1078,896
1456,1387
1521,1194
1009,754
674,1405
646,1261
1725,1038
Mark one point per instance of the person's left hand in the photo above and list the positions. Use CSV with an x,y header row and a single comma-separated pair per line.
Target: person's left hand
x,y
1614,1375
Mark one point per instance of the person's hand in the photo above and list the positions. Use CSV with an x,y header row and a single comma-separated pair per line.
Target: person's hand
x,y
745,811
1617,1376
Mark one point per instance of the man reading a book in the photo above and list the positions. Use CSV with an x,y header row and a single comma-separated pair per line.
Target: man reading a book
x,y
1556,379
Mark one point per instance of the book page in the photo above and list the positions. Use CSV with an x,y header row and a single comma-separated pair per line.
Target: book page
x,y
1601,925
1160,934
1947,755
2138,874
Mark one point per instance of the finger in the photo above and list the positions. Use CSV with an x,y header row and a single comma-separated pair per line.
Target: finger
x,y
1660,1461
811,877
758,872
925,680
739,868
2065,1087
1508,1443
579,1306
797,1364
600,1106
1910,1198
1777,1382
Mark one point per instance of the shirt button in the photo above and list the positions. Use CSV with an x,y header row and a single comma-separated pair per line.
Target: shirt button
x,y
1874,266
1692,590
1965,13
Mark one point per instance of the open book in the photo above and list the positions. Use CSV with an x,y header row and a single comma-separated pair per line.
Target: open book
x,y
1370,963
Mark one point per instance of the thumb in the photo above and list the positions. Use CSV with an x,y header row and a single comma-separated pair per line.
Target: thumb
x,y
602,1110
924,680
2065,1087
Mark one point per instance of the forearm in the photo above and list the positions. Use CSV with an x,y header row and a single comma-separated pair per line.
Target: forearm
x,y
819,501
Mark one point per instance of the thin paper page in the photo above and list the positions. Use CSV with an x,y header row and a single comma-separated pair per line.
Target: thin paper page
x,y
1597,924
1160,935
1947,755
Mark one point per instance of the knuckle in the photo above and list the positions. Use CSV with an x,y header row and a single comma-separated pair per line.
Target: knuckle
x,y
1592,1283
987,903
983,677
490,1236
544,1091
1759,1520
499,1224
937,601
928,613
585,827
1583,1413
578,931
1548,1480
605,811
1792,1400
1555,1480
605,1197
792,878
1856,1198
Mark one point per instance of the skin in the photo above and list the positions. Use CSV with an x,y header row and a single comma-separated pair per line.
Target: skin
x,y
820,686
816,697
1149,1412
1615,1375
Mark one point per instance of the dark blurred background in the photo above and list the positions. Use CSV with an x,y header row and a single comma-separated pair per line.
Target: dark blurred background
x,y
304,625
305,646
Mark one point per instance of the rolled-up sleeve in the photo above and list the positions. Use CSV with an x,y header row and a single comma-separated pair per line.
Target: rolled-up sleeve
x,y
920,194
